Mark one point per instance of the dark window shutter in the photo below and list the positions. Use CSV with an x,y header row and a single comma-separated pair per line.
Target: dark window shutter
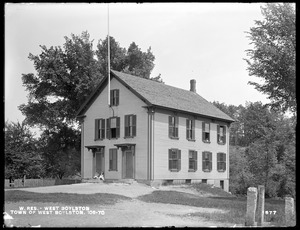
x,y
103,128
179,159
203,161
224,134
210,161
170,127
126,125
218,160
187,129
117,99
196,160
176,126
134,125
96,129
218,133
203,131
111,97
108,128
193,129
170,158
118,127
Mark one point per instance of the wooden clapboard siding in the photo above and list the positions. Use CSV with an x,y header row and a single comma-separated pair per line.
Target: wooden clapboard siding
x,y
163,143
128,104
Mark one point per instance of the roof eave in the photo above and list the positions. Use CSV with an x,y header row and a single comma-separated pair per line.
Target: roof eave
x,y
194,114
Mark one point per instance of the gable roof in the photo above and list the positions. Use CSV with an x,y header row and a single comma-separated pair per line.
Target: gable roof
x,y
163,96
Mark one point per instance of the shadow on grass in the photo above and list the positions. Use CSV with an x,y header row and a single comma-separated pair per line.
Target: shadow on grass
x,y
235,207
64,198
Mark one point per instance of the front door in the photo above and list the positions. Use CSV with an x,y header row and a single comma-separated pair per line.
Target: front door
x,y
98,162
128,164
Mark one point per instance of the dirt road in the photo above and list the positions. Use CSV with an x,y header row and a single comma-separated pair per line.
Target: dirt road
x,y
127,213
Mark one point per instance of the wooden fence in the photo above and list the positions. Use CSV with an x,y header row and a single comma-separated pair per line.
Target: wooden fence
x,y
39,182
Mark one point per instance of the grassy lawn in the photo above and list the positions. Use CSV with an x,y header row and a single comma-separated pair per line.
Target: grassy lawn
x,y
236,206
217,198
64,198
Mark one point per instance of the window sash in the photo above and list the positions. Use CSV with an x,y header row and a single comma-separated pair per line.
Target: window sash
x,y
206,161
130,125
221,136
206,132
99,129
173,126
114,97
221,161
174,160
190,129
113,160
113,130
193,160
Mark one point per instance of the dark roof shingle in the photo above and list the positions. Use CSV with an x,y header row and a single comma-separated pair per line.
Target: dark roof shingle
x,y
162,95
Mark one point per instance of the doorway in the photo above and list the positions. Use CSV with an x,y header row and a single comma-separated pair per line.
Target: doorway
x,y
128,164
98,162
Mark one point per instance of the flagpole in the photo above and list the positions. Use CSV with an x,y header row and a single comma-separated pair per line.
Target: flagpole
x,y
108,54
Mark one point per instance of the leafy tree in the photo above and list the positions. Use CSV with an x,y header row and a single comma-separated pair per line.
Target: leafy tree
x,y
117,55
132,61
264,150
65,77
273,57
21,153
239,171
61,151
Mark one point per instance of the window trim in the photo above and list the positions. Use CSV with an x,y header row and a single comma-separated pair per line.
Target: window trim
x,y
219,154
99,135
108,128
209,160
178,158
190,129
195,160
126,126
173,127
114,99
111,157
203,132
224,134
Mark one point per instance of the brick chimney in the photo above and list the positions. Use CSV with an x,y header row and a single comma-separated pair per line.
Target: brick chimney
x,y
193,85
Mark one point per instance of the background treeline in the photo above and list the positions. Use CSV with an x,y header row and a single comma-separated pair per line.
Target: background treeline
x,y
262,149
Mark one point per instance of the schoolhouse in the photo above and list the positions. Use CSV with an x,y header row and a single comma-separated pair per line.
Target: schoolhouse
x,y
153,133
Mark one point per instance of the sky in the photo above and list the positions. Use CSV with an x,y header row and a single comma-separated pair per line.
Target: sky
x,y
201,41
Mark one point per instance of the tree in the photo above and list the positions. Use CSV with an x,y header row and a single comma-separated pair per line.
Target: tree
x,y
61,151
273,57
132,61
65,77
239,171
21,153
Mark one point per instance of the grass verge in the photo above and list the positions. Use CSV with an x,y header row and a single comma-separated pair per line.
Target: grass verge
x,y
64,198
235,206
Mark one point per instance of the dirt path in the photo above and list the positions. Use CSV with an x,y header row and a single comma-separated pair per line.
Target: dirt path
x,y
133,213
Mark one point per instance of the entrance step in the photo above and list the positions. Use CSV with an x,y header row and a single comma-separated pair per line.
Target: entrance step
x,y
92,181
125,181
